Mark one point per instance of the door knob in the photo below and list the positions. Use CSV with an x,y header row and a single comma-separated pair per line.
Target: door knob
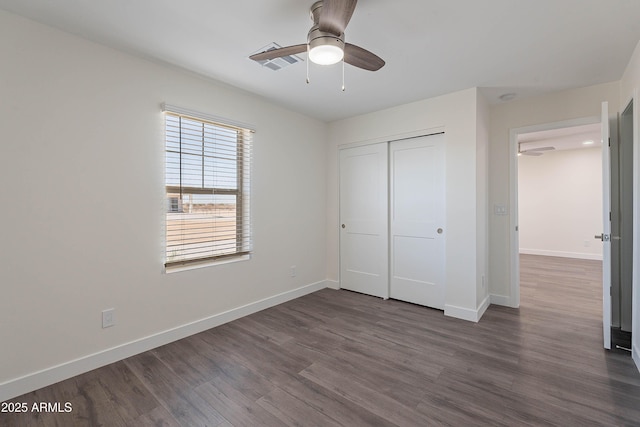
x,y
439,230
344,226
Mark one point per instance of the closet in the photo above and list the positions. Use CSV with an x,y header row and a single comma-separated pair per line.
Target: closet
x,y
392,213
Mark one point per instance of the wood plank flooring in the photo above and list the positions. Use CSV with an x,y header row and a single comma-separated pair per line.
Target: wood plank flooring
x,y
337,358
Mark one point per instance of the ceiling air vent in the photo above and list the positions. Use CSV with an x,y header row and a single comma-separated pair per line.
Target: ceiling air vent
x,y
277,63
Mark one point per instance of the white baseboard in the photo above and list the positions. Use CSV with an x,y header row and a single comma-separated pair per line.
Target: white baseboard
x,y
562,254
635,354
45,377
333,284
483,307
467,313
504,300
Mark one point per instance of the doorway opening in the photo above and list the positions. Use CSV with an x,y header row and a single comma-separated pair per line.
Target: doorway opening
x,y
557,207
560,192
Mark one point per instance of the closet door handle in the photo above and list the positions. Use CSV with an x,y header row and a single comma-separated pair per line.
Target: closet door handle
x,y
439,230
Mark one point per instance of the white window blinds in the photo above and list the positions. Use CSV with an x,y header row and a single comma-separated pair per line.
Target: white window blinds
x,y
207,174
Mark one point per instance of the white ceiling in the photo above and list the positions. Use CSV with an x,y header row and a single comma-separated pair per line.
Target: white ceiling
x,y
431,47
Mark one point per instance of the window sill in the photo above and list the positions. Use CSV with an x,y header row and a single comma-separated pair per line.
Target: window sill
x,y
176,269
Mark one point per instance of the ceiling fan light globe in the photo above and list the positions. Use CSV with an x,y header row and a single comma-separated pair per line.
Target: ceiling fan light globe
x,y
326,55
326,50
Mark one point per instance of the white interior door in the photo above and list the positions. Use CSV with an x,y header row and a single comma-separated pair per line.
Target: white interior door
x,y
364,254
606,229
417,214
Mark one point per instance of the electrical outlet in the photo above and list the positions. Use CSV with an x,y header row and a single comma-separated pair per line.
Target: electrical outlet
x,y
108,317
292,272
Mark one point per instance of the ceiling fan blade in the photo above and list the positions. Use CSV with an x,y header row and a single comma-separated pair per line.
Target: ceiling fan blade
x,y
535,151
277,53
541,149
362,58
335,15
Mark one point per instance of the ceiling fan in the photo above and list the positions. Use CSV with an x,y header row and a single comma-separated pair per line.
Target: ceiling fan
x,y
325,40
534,151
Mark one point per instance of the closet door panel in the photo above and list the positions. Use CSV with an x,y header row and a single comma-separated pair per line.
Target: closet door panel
x,y
364,201
417,203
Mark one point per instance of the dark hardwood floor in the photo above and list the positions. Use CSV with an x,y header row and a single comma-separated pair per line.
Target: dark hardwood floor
x,y
340,358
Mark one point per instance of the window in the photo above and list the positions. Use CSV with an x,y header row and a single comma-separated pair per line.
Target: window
x,y
207,171
174,204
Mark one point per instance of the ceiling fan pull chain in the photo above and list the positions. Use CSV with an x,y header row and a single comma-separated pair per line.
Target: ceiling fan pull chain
x,y
343,74
307,63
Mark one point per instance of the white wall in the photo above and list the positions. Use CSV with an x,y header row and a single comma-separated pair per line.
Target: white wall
x,y
81,164
629,86
554,107
482,213
560,203
456,114
630,80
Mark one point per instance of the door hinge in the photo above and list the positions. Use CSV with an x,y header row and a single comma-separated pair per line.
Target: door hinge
x,y
609,141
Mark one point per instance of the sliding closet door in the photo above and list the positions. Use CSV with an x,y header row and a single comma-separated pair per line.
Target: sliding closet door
x,y
417,214
364,255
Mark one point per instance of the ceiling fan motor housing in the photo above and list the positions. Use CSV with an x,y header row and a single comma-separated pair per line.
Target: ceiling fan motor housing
x,y
314,12
316,37
322,38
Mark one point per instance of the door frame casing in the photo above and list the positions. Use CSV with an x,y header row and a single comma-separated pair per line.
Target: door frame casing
x,y
514,290
627,185
605,127
635,281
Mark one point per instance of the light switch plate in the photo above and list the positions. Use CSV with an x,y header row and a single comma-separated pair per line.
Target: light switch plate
x,y
500,210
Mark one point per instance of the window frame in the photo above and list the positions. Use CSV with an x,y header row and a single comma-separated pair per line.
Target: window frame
x,y
241,192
